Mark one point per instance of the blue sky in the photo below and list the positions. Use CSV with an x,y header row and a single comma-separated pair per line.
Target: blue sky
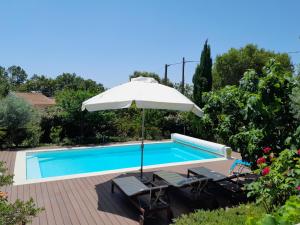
x,y
108,40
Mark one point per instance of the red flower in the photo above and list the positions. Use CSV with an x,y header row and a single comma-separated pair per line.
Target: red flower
x,y
298,188
265,171
260,160
266,150
298,151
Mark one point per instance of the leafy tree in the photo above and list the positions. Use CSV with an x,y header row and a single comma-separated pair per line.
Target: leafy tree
x,y
294,139
39,83
153,75
17,75
79,124
18,212
4,83
49,87
295,99
19,122
145,74
202,78
229,67
74,82
188,89
255,114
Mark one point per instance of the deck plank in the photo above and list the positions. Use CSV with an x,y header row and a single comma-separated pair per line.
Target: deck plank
x,y
115,204
84,211
106,202
75,205
67,204
58,216
61,204
32,194
88,200
47,204
92,198
40,203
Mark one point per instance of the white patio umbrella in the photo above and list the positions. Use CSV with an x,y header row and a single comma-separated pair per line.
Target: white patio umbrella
x,y
146,93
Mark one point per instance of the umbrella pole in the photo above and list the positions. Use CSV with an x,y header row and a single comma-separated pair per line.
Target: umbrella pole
x,y
142,144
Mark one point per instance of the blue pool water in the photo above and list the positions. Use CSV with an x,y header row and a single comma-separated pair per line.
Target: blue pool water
x,y
76,161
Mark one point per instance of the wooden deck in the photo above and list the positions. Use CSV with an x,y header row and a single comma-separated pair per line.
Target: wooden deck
x,y
89,200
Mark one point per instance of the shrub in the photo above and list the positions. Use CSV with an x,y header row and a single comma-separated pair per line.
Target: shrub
x,y
67,141
19,121
236,215
289,214
55,134
17,212
279,180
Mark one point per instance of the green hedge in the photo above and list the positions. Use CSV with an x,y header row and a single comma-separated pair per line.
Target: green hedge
x,y
237,216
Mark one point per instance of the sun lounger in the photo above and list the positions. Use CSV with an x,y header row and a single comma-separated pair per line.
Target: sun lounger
x,y
237,170
176,180
146,199
233,182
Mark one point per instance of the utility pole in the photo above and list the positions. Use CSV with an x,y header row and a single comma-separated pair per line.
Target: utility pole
x,y
182,85
166,73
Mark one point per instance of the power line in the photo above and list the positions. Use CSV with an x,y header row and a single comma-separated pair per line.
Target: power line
x,y
183,62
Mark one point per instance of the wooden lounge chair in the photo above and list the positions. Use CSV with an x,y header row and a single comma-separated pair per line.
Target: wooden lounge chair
x,y
176,180
146,199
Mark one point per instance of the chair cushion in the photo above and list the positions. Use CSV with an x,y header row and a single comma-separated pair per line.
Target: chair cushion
x,y
130,185
203,171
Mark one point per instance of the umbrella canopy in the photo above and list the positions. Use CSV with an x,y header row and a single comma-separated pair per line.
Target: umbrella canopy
x,y
146,92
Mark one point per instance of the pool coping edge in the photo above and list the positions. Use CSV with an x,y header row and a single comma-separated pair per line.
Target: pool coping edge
x,y
20,165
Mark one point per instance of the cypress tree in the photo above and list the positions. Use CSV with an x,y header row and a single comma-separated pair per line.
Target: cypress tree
x,y
202,78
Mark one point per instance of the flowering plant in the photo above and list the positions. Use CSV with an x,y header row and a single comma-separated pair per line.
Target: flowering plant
x,y
266,150
280,178
261,160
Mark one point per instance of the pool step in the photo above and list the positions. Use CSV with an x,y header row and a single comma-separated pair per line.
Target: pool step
x,y
34,172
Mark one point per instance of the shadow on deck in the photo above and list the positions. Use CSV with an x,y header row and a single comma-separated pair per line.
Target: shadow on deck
x,y
181,201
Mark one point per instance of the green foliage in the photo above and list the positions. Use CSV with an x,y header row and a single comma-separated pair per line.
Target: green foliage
x,y
4,83
153,75
272,189
49,86
295,99
46,86
247,142
228,216
19,122
289,214
80,125
202,78
252,115
55,134
17,75
17,212
4,178
222,116
229,67
74,82
145,74
188,89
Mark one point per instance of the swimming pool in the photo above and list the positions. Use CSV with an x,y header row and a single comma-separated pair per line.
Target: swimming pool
x,y
43,165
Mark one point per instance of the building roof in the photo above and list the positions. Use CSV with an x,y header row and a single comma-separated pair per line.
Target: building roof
x,y
36,99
